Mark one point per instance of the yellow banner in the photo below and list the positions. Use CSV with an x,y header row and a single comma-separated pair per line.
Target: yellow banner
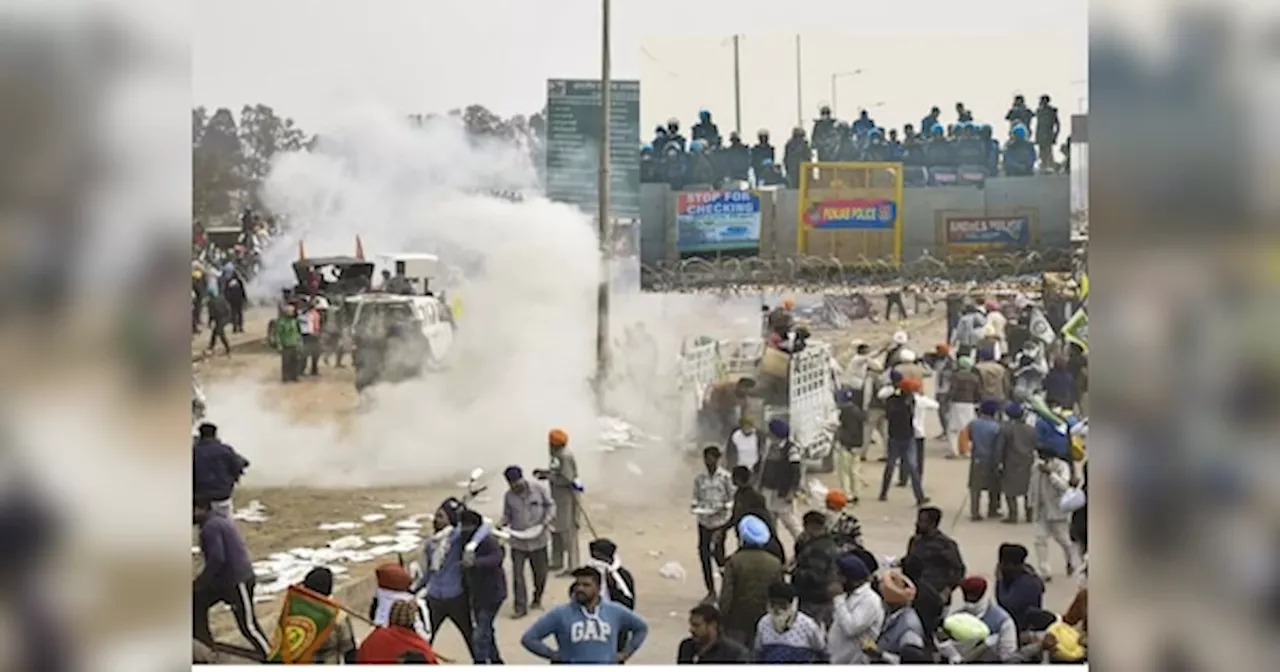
x,y
851,211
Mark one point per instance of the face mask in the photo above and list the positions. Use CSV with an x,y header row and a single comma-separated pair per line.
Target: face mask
x,y
783,618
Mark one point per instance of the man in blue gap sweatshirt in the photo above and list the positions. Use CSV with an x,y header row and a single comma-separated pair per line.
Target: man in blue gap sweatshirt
x,y
586,629
227,577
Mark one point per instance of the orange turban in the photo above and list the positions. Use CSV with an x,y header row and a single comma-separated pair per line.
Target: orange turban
x,y
837,500
557,438
896,589
912,385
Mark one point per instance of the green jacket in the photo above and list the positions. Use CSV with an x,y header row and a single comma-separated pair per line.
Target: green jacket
x,y
745,589
288,333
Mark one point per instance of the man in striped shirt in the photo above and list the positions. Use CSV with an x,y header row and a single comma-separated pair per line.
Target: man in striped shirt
x,y
713,506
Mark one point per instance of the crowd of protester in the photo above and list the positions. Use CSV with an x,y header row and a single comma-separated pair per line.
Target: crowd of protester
x,y
220,270
937,152
826,597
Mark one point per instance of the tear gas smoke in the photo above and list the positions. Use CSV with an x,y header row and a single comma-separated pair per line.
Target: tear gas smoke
x,y
524,353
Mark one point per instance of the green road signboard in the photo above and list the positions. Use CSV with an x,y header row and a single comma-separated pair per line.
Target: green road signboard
x,y
574,133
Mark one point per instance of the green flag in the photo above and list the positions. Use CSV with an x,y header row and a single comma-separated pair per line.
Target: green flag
x,y
1076,330
306,620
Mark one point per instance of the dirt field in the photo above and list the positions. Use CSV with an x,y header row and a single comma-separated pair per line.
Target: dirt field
x,y
648,534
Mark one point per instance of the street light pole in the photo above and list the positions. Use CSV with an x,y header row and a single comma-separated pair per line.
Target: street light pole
x,y
737,89
602,209
835,76
799,91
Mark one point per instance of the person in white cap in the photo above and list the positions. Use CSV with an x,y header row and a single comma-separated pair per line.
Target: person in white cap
x,y
900,339
909,365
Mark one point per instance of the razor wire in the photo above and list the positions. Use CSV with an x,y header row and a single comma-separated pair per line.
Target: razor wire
x,y
822,274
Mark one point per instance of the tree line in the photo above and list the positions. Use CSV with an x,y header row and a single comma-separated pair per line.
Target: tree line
x,y
231,154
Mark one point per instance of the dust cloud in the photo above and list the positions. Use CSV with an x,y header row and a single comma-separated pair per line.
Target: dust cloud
x,y
524,356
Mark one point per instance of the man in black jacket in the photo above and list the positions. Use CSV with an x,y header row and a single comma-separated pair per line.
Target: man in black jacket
x,y
485,586
941,566
780,476
824,135
220,317
747,501
814,570
706,130
1019,113
849,440
705,645
797,151
735,160
899,411
762,152
216,468
1046,132
233,289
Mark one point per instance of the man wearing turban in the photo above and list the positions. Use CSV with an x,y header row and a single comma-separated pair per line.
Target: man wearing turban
x,y
562,475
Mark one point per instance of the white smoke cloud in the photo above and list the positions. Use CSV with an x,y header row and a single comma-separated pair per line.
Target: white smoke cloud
x,y
524,355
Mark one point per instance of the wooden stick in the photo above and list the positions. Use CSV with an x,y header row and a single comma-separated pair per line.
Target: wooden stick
x,y
358,616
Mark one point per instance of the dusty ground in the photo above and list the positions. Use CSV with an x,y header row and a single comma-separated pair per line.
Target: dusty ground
x,y
648,535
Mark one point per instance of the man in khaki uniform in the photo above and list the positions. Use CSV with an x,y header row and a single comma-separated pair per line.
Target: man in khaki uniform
x,y
562,475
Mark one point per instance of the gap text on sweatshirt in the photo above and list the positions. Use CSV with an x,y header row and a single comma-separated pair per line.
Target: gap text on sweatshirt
x,y
583,637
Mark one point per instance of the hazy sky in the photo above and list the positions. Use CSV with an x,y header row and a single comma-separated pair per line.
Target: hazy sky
x,y
310,59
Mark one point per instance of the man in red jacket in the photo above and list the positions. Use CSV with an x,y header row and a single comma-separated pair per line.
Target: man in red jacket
x,y
388,645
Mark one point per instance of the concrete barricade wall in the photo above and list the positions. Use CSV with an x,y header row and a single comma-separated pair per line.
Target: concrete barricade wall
x,y
1044,199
